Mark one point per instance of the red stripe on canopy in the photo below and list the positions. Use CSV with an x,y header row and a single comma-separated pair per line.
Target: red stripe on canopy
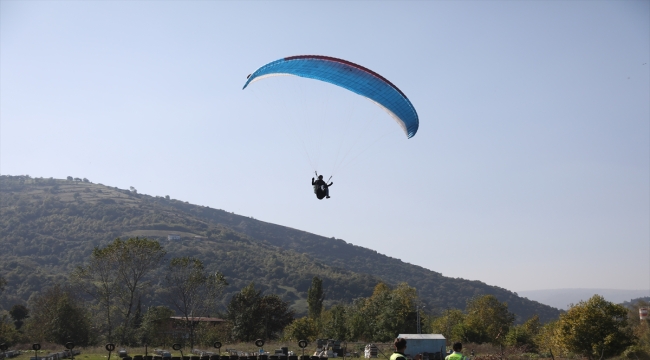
x,y
329,58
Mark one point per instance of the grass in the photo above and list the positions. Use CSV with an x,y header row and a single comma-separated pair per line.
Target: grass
x,y
99,353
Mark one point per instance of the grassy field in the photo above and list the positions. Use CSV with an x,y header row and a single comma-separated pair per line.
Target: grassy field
x,y
482,352
99,353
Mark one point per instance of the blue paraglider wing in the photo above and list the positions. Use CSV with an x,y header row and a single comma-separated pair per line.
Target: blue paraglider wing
x,y
348,75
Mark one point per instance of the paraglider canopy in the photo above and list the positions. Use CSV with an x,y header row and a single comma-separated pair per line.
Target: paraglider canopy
x,y
348,75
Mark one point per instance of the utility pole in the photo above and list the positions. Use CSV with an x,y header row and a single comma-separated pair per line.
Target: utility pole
x,y
417,309
418,316
447,323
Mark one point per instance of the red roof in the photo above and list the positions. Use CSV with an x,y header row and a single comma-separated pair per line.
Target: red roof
x,y
199,318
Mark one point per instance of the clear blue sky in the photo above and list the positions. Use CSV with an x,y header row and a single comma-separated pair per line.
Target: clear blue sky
x,y
531,168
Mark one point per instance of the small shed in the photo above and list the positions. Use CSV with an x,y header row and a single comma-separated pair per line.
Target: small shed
x,y
424,343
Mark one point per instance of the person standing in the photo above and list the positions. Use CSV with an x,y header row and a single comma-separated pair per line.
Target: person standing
x,y
456,355
400,348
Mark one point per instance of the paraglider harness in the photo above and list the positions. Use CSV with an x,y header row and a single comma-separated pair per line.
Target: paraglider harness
x,y
320,187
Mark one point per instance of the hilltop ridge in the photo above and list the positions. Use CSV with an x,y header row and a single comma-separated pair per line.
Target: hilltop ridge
x,y
562,298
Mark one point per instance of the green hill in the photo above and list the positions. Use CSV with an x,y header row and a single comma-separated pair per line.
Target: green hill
x,y
49,226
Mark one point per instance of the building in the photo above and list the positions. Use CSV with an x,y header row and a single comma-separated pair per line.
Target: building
x,y
424,343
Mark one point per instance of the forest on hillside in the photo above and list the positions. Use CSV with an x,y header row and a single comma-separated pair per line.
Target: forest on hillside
x,y
49,226
99,306
47,234
60,239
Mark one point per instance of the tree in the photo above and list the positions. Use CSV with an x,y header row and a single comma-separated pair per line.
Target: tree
x,y
72,322
69,178
153,323
8,332
100,280
524,335
596,328
192,291
301,329
135,259
397,313
334,323
275,316
488,320
641,330
118,273
357,322
136,324
383,315
315,298
450,325
244,313
253,315
547,340
58,316
365,312
19,313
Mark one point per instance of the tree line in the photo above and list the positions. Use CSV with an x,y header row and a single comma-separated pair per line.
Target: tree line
x,y
594,329
102,302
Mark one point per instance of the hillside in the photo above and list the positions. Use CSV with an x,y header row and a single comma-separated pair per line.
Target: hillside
x,y
562,298
49,226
